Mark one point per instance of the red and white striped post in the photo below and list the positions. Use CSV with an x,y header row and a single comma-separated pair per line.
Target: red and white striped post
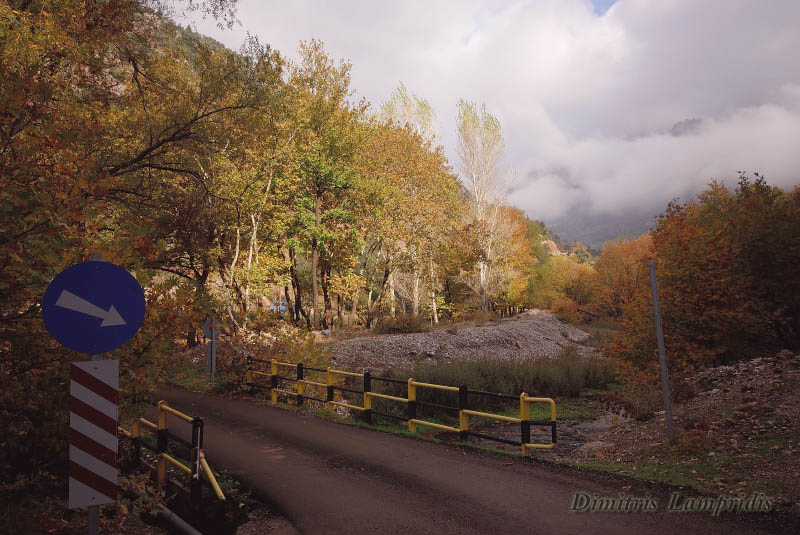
x,y
93,412
72,303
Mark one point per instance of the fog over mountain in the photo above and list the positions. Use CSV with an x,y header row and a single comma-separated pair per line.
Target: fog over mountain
x,y
607,112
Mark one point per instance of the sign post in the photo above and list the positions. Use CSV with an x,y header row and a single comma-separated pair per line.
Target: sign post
x,y
93,413
93,307
661,357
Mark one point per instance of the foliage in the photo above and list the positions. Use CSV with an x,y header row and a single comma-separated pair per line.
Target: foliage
x,y
623,271
570,289
295,346
727,268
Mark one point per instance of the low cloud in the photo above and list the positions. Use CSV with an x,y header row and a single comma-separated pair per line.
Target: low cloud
x,y
588,102
609,175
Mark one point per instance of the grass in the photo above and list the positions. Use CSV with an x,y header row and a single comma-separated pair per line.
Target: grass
x,y
686,465
562,377
489,449
601,331
189,375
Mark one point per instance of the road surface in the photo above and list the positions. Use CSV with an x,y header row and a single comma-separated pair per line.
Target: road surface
x,y
329,478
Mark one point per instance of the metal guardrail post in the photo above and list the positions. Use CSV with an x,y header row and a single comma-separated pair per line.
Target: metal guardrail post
x,y
195,488
367,399
162,427
329,393
463,418
525,423
161,477
300,387
412,406
273,369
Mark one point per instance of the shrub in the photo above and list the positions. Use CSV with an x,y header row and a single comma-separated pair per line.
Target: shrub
x,y
404,323
285,343
565,375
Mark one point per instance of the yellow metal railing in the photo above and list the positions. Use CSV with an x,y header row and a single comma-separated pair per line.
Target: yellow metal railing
x,y
436,387
199,462
463,417
342,372
147,423
415,422
164,409
210,476
385,396
525,414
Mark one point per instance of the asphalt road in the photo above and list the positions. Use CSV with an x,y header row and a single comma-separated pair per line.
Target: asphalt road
x,y
333,478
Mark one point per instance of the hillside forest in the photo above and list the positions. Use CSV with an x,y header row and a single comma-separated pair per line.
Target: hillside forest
x,y
260,191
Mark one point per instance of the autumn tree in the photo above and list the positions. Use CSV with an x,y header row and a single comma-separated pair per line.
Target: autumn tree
x,y
409,111
622,269
74,78
480,149
727,267
327,139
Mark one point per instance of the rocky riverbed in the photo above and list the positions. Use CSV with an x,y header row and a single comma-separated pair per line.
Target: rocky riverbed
x,y
535,334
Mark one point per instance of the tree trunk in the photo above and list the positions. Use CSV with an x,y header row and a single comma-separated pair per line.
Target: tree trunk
x,y
278,299
415,294
289,304
339,313
484,301
327,322
369,309
250,253
391,295
433,296
353,312
191,337
315,265
191,334
298,301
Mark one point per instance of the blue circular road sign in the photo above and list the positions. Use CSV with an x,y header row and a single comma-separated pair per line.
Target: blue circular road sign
x,y
93,307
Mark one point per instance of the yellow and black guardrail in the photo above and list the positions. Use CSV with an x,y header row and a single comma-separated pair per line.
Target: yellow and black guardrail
x,y
303,386
165,442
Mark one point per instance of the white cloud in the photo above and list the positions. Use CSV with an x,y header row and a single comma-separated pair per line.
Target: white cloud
x,y
586,101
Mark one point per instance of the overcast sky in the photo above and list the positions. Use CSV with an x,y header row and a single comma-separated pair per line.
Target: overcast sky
x,y
587,92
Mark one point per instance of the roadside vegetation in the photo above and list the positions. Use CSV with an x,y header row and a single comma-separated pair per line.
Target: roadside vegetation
x,y
565,375
256,190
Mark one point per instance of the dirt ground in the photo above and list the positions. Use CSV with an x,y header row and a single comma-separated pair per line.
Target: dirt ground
x,y
737,432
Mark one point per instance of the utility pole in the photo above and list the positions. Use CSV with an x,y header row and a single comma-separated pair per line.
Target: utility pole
x,y
662,359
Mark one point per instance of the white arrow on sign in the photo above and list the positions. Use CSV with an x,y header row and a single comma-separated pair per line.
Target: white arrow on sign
x,y
71,301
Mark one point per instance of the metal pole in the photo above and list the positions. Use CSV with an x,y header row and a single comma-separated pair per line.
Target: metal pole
x,y
94,520
463,419
662,359
299,388
94,510
367,400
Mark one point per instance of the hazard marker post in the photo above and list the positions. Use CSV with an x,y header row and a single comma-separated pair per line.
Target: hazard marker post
x,y
93,307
